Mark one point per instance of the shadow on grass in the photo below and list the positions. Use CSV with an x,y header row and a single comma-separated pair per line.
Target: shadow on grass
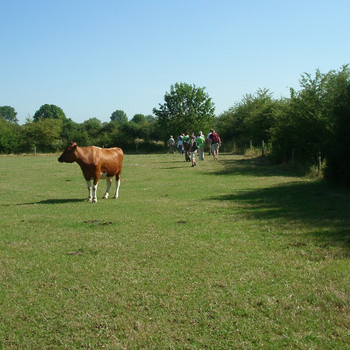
x,y
61,201
257,167
321,209
47,201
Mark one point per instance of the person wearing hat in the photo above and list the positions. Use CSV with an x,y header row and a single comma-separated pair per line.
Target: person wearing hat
x,y
171,144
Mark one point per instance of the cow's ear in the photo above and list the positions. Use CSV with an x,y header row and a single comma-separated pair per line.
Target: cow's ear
x,y
74,145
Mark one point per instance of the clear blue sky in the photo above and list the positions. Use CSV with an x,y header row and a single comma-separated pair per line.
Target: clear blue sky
x,y
93,57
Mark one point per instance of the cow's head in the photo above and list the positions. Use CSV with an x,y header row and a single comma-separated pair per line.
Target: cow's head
x,y
69,156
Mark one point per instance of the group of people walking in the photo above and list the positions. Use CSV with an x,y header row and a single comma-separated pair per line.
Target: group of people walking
x,y
191,145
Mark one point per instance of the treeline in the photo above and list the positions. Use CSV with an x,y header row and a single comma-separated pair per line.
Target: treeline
x,y
185,108
50,131
313,121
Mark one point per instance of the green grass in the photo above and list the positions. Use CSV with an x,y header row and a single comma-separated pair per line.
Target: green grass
x,y
233,254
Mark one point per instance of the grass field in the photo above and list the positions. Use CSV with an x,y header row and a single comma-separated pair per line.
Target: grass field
x,y
233,254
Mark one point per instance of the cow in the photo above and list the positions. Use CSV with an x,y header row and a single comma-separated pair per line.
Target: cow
x,y
96,163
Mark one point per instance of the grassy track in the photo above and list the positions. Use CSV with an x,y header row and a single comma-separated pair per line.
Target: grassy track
x,y
234,254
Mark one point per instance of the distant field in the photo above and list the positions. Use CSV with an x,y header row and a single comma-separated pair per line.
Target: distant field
x,y
233,254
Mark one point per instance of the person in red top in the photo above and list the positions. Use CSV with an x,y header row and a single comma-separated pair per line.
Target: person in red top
x,y
215,143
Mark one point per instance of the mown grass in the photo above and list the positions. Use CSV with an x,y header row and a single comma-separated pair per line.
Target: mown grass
x,y
229,254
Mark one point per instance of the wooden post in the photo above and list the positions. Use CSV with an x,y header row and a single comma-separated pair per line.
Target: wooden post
x,y
263,147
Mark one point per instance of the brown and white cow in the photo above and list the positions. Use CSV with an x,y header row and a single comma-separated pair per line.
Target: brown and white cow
x,y
96,163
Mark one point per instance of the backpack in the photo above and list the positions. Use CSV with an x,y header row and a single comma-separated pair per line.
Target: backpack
x,y
186,140
214,138
194,146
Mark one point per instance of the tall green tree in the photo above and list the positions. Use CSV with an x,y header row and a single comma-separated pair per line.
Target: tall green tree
x,y
49,112
10,137
72,131
119,116
185,108
44,135
139,119
338,107
93,127
250,119
304,126
8,113
154,128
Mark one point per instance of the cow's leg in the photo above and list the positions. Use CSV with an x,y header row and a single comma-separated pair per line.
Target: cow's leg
x,y
109,183
117,178
94,192
117,190
90,190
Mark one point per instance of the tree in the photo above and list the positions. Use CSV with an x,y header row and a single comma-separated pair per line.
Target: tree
x,y
186,108
150,119
8,113
10,137
72,131
338,103
139,119
231,124
119,116
304,125
154,128
45,135
49,112
260,116
250,119
93,124
93,127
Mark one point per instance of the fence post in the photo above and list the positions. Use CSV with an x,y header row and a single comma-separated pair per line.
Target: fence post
x,y
263,147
